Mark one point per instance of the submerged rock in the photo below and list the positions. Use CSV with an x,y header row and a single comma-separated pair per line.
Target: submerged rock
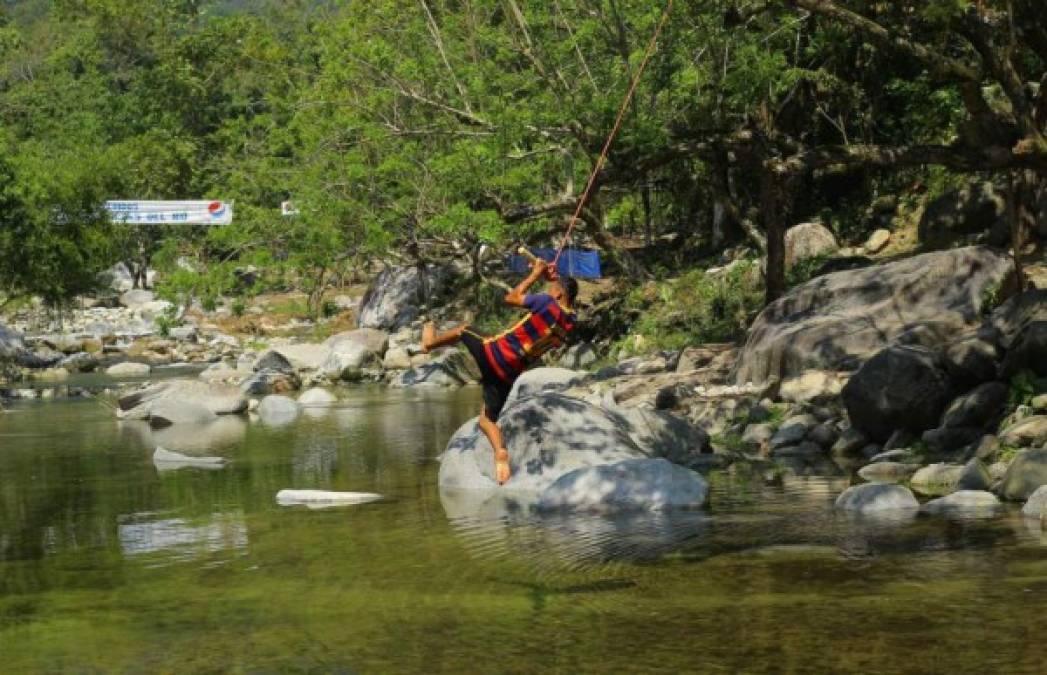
x,y
278,410
629,485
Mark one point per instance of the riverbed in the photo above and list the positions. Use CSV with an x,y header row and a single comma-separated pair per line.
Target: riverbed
x,y
109,563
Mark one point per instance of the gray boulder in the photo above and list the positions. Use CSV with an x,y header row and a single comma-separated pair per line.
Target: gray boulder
x,y
1036,506
1026,473
219,399
273,361
837,321
808,240
549,435
977,408
267,382
974,209
167,412
966,503
368,339
396,296
873,498
629,485
537,380
305,356
899,388
450,368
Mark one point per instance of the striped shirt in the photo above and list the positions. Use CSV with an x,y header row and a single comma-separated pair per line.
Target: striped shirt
x,y
544,328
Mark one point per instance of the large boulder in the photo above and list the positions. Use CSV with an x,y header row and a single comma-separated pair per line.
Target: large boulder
x,y
971,210
899,388
549,435
218,399
837,321
1026,473
305,356
808,240
629,485
274,362
397,294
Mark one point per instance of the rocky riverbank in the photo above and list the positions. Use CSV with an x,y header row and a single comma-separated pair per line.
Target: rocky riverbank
x,y
905,374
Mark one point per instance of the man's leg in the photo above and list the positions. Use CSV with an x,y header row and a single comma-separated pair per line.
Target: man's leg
x,y
501,455
431,341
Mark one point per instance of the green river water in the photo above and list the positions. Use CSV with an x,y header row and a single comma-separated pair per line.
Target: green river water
x,y
108,564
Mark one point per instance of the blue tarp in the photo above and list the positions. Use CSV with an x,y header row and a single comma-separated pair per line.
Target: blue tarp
x,y
573,262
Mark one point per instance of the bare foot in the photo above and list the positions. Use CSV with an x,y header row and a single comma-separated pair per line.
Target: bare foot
x,y
428,335
501,466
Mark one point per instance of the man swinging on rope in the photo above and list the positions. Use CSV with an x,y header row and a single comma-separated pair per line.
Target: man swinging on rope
x,y
504,357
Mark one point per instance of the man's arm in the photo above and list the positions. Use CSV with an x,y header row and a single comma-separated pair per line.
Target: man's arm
x,y
516,297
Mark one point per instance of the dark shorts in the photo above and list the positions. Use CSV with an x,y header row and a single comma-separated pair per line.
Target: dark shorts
x,y
496,390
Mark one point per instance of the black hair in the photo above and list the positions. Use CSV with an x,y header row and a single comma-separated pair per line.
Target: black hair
x,y
570,287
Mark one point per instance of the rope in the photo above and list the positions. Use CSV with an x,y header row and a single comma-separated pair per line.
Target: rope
x,y
614,131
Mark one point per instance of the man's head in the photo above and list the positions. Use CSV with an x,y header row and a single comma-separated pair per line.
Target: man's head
x,y
564,290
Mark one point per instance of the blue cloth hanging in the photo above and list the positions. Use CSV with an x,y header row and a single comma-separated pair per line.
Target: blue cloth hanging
x,y
573,262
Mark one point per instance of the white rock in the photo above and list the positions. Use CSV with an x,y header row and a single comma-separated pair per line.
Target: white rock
x,y
318,499
317,398
129,369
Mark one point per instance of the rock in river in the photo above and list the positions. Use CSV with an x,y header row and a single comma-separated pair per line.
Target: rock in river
x,y
877,498
548,436
629,485
1026,473
218,399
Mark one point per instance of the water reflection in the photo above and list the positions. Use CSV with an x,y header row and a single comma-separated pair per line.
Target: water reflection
x,y
179,538
498,524
223,434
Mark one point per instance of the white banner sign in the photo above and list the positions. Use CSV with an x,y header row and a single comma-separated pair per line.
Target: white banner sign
x,y
164,213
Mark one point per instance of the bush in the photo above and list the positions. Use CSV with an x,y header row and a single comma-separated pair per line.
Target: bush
x,y
692,309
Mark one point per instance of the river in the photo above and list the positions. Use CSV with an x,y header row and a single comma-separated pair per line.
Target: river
x,y
109,564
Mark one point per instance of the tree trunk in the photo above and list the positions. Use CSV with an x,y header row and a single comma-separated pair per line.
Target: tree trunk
x,y
648,234
771,211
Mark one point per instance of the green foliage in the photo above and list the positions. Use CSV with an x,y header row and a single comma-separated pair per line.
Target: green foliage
x,y
1025,386
693,308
